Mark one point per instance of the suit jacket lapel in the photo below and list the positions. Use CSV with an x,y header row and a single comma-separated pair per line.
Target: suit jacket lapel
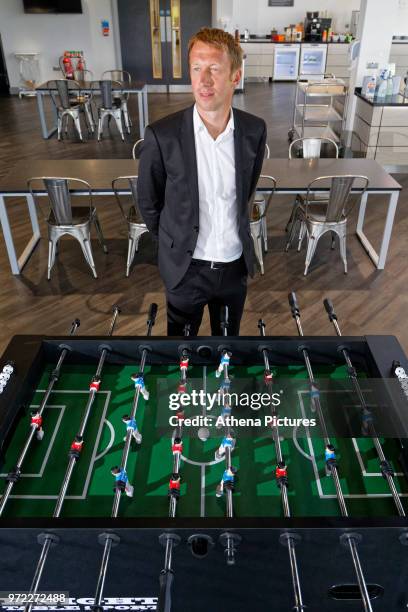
x,y
189,154
239,160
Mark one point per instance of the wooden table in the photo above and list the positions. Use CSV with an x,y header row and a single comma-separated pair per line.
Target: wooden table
x,y
137,87
293,176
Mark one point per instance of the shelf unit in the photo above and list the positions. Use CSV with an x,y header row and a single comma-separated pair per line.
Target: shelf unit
x,y
319,109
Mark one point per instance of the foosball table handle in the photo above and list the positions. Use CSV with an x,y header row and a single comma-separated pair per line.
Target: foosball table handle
x,y
328,304
166,579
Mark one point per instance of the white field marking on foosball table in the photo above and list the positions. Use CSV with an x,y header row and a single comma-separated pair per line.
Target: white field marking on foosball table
x,y
94,451
111,440
364,472
39,474
323,495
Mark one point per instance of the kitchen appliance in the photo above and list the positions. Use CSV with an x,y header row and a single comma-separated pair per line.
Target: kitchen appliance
x,y
315,26
312,26
355,16
313,61
286,62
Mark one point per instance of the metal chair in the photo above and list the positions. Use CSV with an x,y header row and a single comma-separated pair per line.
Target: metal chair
x,y
309,148
86,76
110,106
136,228
318,217
69,101
63,218
260,202
258,213
137,148
124,77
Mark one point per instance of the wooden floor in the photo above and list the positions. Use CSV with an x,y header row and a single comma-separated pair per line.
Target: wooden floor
x,y
368,301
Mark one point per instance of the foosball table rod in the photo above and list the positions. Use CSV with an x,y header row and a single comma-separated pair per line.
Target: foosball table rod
x,y
74,455
331,461
36,424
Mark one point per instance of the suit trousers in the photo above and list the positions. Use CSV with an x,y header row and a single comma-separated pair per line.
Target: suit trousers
x,y
224,285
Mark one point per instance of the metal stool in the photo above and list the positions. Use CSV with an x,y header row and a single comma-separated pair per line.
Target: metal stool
x,y
63,218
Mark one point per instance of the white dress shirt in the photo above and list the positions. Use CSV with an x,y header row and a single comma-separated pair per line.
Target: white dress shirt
x,y
218,238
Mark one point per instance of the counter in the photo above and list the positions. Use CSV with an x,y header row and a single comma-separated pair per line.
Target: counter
x,y
381,130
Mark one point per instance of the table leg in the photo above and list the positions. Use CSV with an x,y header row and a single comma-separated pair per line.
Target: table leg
x,y
145,108
8,237
17,264
44,129
378,258
140,107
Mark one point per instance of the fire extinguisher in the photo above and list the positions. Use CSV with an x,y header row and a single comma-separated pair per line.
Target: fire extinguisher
x,y
68,68
81,63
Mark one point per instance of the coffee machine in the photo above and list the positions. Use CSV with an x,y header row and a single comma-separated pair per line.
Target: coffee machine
x,y
315,26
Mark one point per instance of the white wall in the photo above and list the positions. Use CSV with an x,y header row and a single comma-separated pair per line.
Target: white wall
x,y
51,35
260,18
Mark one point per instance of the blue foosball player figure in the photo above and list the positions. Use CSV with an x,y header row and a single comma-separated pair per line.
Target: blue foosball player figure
x,y
132,427
227,441
227,481
140,384
225,360
122,483
330,458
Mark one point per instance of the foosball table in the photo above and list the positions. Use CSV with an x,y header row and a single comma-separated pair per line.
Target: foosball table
x,y
123,493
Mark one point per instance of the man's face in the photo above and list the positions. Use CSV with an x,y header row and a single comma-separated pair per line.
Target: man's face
x,y
212,81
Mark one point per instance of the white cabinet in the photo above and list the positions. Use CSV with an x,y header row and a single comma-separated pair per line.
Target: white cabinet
x,y
259,60
338,61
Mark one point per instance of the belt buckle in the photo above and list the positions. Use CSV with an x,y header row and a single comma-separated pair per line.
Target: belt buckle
x,y
214,266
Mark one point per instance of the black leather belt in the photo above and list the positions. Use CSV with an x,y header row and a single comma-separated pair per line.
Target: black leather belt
x,y
214,265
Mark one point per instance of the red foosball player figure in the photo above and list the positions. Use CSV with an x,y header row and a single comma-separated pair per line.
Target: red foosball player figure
x,y
281,474
174,486
180,416
95,384
182,388
76,447
268,377
36,419
183,364
177,446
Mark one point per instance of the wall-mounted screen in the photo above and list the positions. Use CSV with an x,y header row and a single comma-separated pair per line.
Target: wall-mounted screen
x,y
52,6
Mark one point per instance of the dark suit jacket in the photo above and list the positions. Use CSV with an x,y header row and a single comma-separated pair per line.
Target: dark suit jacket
x,y
168,186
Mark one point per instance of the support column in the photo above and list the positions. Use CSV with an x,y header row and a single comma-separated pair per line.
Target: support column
x,y
377,25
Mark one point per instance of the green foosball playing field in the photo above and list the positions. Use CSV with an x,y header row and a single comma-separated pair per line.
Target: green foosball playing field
x,y
90,493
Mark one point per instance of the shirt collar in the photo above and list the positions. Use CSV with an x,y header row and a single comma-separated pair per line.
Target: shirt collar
x,y
199,124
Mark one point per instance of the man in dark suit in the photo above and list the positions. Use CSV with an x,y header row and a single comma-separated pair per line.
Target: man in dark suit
x,y
198,172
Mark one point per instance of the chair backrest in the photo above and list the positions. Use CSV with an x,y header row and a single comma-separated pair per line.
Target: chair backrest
x,y
311,148
137,148
60,91
339,204
59,195
83,75
257,213
109,91
126,183
123,76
